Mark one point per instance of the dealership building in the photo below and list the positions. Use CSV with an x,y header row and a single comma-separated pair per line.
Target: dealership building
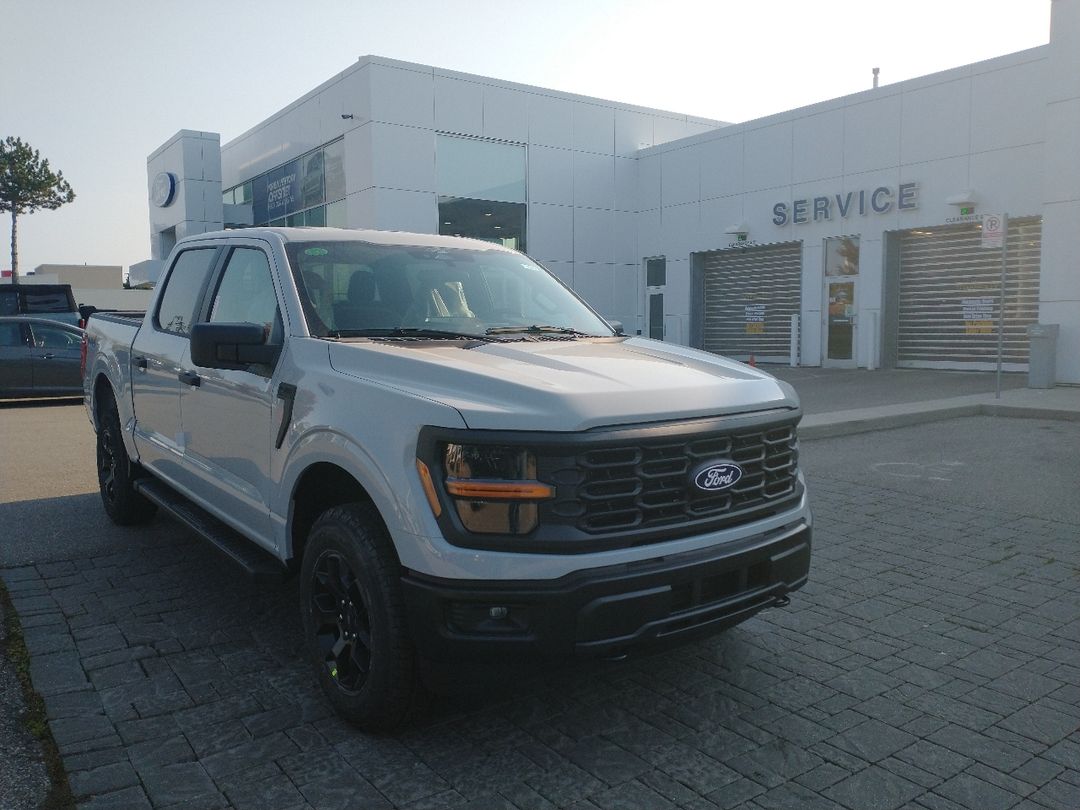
x,y
865,231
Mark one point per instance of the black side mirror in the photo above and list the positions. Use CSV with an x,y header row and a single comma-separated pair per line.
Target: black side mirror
x,y
231,345
617,326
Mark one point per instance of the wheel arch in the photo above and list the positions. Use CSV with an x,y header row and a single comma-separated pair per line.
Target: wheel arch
x,y
321,486
102,387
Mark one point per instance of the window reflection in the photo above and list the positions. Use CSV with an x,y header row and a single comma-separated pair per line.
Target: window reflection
x,y
480,170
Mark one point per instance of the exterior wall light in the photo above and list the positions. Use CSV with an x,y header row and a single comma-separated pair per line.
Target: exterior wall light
x,y
964,198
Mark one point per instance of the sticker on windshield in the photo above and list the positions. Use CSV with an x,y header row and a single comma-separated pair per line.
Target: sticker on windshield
x,y
316,252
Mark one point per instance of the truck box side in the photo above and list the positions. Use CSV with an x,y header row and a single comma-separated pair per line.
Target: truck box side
x,y
108,363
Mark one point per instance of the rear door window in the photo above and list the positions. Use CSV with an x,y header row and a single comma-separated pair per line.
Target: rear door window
x,y
182,290
54,301
9,302
11,335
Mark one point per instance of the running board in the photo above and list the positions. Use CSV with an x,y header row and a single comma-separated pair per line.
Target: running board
x,y
259,565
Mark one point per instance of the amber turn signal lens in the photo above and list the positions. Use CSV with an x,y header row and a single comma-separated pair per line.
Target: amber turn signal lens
x,y
499,490
429,487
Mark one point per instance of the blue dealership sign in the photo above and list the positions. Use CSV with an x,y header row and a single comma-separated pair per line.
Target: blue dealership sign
x,y
277,193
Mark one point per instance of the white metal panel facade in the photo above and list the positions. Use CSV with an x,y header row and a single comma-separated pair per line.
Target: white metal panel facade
x,y
750,295
949,296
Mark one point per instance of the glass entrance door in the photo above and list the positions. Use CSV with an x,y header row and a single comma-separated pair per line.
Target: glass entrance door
x,y
841,280
655,282
840,347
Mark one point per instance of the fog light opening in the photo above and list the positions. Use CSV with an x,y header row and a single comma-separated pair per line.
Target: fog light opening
x,y
478,619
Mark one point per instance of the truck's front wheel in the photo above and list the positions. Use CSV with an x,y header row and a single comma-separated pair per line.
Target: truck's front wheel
x,y
354,618
116,472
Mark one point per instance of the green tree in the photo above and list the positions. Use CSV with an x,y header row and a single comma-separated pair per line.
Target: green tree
x,y
27,184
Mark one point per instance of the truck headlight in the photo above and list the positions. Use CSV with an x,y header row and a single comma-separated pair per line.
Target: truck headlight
x,y
494,487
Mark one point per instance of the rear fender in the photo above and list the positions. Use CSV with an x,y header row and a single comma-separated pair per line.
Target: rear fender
x,y
107,369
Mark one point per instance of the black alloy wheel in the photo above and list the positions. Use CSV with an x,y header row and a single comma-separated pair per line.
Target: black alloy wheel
x,y
116,472
106,463
355,631
343,628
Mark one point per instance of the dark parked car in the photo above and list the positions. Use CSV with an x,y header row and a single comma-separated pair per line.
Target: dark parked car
x,y
39,358
53,301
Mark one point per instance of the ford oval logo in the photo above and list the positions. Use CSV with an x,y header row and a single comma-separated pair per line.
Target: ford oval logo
x,y
718,476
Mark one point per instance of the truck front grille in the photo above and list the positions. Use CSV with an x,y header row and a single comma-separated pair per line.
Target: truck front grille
x,y
648,484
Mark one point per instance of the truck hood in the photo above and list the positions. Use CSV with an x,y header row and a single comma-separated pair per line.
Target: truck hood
x,y
564,385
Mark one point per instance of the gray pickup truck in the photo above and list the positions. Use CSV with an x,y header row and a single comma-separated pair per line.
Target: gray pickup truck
x,y
457,456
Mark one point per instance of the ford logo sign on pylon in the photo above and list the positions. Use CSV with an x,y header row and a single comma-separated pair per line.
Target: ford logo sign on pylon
x,y
718,476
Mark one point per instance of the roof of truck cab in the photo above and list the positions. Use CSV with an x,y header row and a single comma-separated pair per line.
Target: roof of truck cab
x,y
323,234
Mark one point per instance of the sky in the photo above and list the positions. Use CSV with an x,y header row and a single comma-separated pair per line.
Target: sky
x,y
97,85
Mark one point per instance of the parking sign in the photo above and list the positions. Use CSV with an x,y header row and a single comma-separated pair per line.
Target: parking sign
x,y
993,231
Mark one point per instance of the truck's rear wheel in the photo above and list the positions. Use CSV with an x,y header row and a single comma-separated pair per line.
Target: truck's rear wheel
x,y
354,618
116,471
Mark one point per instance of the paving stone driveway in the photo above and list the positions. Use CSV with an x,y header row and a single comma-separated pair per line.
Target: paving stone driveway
x,y
933,661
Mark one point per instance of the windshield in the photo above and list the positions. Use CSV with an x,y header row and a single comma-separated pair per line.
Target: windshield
x,y
359,288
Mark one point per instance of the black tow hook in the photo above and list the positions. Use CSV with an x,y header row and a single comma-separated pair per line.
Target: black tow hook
x,y
781,601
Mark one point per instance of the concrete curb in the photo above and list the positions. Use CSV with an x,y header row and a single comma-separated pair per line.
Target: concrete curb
x,y
864,420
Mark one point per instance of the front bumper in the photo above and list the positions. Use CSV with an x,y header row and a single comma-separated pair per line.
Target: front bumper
x,y
609,611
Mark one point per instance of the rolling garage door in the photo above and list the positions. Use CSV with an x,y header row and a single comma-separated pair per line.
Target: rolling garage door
x,y
750,295
948,296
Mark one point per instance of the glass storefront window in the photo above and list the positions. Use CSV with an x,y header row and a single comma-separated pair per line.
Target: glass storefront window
x,y
334,170
313,179
481,187
656,272
291,191
842,256
335,214
315,217
480,170
499,222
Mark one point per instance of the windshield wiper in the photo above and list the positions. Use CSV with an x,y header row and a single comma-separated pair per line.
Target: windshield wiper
x,y
537,329
406,332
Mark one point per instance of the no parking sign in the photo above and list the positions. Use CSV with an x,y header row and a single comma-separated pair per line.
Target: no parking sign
x,y
993,231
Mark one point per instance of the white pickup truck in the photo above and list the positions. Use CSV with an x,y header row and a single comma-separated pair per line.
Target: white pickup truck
x,y
456,454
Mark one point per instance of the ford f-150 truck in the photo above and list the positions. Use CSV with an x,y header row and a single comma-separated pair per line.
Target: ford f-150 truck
x,y
455,453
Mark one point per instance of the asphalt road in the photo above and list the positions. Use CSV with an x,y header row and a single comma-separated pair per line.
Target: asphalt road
x,y
49,503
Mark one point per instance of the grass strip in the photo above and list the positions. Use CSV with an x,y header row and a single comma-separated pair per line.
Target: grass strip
x,y
35,719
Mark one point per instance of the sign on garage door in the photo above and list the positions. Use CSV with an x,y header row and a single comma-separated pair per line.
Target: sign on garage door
x,y
750,295
949,291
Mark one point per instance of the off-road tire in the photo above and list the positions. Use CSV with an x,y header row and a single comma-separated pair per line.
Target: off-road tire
x,y
117,472
355,631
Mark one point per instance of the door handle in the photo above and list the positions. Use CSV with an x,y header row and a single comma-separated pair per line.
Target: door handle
x,y
140,363
48,356
189,378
